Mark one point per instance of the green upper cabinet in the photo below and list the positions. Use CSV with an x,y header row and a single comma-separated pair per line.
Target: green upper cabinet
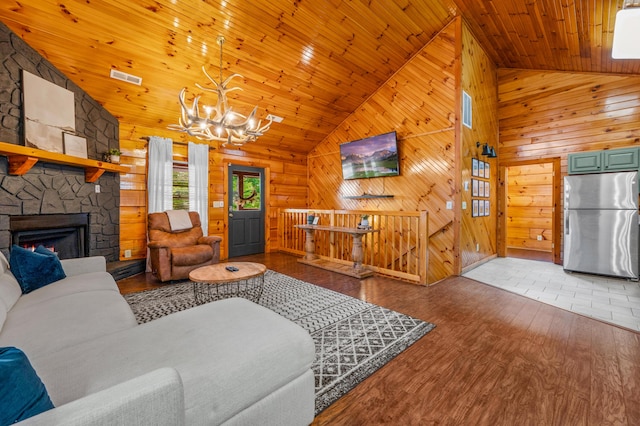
x,y
612,160
585,162
620,159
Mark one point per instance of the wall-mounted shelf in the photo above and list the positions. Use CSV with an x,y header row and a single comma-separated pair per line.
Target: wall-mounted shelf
x,y
355,197
22,159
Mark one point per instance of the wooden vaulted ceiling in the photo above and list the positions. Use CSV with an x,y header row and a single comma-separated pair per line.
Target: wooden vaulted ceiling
x,y
312,62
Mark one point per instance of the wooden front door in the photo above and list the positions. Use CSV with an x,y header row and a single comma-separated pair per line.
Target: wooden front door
x,y
246,210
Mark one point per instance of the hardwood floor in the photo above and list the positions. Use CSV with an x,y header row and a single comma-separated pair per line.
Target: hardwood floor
x,y
495,358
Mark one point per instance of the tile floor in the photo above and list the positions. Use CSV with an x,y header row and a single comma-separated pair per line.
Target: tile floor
x,y
613,300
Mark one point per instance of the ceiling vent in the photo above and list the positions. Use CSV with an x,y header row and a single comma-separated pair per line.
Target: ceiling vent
x,y
275,118
123,76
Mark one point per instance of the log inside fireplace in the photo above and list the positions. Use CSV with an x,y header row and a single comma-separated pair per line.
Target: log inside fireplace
x,y
66,234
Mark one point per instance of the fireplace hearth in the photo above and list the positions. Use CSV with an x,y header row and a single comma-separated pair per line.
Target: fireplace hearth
x,y
65,234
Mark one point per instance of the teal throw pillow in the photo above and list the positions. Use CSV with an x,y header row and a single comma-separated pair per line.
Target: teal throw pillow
x,y
35,269
22,393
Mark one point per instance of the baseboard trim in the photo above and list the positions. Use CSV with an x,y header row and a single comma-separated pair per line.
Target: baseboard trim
x,y
478,263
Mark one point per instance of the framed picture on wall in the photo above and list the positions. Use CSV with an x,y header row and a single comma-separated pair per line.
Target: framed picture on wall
x,y
474,208
474,167
481,168
480,188
474,187
480,208
486,208
75,145
487,174
486,189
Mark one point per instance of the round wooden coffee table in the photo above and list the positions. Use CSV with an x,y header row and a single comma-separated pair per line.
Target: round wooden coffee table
x,y
214,282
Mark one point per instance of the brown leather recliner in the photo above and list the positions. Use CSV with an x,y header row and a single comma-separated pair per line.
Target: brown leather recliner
x,y
176,253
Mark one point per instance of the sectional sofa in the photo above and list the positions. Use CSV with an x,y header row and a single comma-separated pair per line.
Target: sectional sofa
x,y
229,362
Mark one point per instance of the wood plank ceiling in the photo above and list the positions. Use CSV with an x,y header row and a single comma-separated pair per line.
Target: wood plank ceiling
x,y
311,62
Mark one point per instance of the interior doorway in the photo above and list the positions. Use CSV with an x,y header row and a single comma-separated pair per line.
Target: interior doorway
x,y
531,210
246,210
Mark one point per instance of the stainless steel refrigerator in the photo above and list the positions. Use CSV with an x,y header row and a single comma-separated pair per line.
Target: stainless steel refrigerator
x,y
601,224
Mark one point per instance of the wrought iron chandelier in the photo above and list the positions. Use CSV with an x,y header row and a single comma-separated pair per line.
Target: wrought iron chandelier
x,y
219,122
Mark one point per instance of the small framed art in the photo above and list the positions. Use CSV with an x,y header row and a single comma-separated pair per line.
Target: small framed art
x,y
486,208
486,189
474,167
487,173
75,145
474,187
474,208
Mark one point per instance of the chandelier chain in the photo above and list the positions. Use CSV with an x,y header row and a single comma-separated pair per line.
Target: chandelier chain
x,y
220,41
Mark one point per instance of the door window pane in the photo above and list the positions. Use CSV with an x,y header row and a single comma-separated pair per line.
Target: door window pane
x,y
246,191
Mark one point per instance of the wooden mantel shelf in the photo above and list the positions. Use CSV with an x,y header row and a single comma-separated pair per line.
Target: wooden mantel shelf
x,y
22,159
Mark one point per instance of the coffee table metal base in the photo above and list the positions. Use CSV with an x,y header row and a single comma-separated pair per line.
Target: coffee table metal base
x,y
250,288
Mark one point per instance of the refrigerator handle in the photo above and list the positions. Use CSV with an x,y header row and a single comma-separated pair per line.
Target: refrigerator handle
x,y
566,224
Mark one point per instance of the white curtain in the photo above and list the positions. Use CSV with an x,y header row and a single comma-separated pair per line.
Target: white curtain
x,y
199,182
160,179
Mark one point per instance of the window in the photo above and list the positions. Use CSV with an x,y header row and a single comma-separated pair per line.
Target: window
x,y
248,185
180,185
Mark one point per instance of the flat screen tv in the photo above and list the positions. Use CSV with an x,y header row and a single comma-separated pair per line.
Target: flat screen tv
x,y
371,157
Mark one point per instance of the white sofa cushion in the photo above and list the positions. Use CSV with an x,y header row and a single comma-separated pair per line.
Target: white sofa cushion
x,y
43,328
83,265
205,345
84,305
83,274
75,284
155,398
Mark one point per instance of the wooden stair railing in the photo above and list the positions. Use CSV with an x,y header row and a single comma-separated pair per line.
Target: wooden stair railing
x,y
399,249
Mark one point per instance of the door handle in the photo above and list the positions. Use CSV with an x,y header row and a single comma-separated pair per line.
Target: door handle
x,y
566,224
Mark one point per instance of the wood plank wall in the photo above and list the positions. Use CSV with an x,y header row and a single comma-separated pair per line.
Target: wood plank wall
x,y
418,102
479,80
421,103
550,114
286,185
547,115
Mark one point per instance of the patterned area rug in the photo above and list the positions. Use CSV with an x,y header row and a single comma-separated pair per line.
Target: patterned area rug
x,y
353,338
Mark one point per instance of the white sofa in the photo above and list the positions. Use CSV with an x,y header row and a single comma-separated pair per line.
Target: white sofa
x,y
229,362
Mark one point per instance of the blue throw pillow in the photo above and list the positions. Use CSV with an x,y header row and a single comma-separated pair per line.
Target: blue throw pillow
x,y
35,269
22,394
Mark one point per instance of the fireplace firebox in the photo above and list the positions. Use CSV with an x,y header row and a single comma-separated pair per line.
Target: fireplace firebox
x,y
65,234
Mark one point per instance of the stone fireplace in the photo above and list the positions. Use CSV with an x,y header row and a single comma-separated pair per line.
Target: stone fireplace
x,y
65,234
60,195
54,189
